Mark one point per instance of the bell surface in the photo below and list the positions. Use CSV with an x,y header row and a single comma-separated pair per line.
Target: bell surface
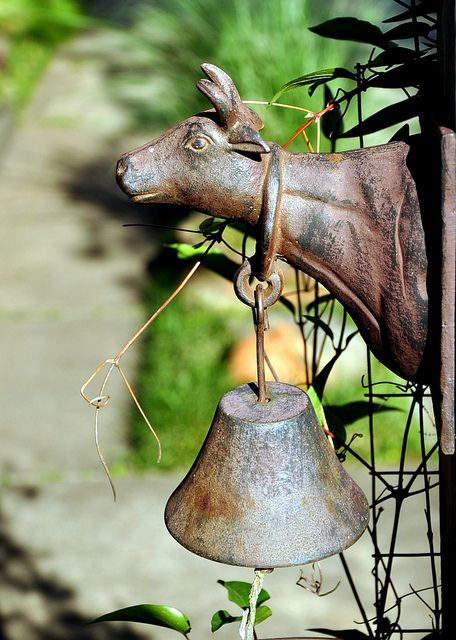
x,y
267,489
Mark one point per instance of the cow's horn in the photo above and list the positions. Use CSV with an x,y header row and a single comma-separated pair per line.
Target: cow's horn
x,y
218,99
222,80
226,99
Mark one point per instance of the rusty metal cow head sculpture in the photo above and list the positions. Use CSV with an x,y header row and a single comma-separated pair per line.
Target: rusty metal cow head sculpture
x,y
351,220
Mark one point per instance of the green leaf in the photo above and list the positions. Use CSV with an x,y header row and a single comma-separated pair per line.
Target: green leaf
x,y
314,79
332,123
188,252
262,614
318,322
349,338
317,405
326,418
198,245
155,614
214,260
337,427
354,30
402,134
353,411
220,618
321,378
390,57
393,114
211,226
209,223
287,304
409,30
238,592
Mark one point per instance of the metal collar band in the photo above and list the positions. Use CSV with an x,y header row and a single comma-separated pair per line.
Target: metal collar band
x,y
267,239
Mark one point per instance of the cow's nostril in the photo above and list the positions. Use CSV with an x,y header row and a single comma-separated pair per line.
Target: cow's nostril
x,y
121,168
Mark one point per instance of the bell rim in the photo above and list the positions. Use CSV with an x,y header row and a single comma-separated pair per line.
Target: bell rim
x,y
261,562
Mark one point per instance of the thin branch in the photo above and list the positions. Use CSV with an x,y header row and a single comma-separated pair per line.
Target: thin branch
x,y
356,595
310,113
159,310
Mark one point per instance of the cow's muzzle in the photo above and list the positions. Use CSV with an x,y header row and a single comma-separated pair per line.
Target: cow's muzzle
x,y
129,180
127,177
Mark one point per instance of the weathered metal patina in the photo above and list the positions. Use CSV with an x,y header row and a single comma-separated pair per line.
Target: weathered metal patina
x,y
352,220
267,489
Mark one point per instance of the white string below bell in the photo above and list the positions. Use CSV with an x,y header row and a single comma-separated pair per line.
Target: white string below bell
x,y
248,618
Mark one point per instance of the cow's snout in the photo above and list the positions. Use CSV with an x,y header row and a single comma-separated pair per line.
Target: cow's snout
x,y
136,176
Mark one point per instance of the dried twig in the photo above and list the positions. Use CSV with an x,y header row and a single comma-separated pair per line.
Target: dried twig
x,y
102,399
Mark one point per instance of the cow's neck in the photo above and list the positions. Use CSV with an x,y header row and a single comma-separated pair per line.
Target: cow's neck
x,y
349,220
238,194
325,223
337,206
345,185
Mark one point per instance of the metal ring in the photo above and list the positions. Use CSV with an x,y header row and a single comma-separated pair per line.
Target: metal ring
x,y
244,291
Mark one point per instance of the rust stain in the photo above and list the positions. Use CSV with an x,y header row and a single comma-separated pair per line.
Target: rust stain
x,y
217,504
334,157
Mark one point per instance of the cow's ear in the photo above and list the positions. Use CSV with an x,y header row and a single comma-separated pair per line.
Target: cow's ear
x,y
250,147
245,139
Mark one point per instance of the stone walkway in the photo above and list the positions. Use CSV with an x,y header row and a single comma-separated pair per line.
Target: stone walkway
x,y
70,271
70,277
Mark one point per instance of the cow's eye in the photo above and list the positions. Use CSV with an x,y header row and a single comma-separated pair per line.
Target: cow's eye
x,y
199,143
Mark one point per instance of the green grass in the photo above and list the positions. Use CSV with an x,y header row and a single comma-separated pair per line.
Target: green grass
x,y
181,378
30,32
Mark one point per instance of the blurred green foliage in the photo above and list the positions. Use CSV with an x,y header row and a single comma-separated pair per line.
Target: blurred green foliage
x,y
346,402
260,43
182,375
30,30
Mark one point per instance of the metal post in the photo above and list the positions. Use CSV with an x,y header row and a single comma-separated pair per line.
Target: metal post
x,y
447,118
